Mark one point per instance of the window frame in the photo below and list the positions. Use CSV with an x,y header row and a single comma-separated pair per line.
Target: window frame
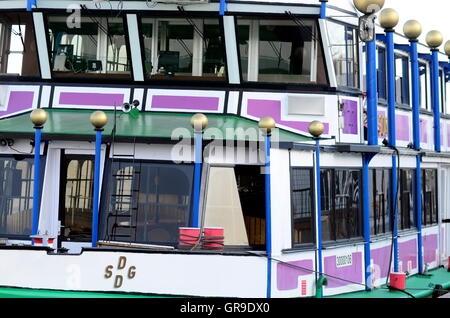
x,y
359,238
253,49
102,45
387,218
406,84
435,215
427,107
357,56
42,173
412,210
105,201
197,46
313,208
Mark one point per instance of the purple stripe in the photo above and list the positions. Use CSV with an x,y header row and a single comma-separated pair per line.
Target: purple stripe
x,y
380,257
288,273
408,252
185,102
91,99
423,130
448,135
350,114
260,108
402,127
18,101
430,246
349,274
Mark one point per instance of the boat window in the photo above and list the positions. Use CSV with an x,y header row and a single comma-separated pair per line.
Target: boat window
x,y
401,80
381,72
423,86
76,216
302,206
442,91
94,46
429,197
16,196
280,51
147,202
344,50
180,48
235,201
18,52
380,220
340,204
406,212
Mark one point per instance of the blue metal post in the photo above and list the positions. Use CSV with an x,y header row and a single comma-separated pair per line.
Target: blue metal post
x,y
223,7
95,212
415,83
198,140
323,9
372,138
319,219
392,136
30,4
37,181
268,215
436,99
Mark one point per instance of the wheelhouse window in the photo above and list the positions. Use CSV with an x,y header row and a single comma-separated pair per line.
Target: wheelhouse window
x,y
340,204
344,51
147,202
76,209
380,218
401,80
89,47
406,197
281,51
177,48
423,86
18,52
235,201
16,196
429,197
302,206
381,72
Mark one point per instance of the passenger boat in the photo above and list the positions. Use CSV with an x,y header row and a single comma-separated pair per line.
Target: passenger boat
x,y
250,149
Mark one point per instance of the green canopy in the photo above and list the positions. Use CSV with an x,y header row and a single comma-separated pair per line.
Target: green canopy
x,y
73,124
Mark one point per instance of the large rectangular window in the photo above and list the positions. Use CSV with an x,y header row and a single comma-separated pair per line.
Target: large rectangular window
x,y
381,72
147,202
341,204
302,206
423,86
88,46
16,196
18,52
281,51
380,219
406,197
344,50
429,197
180,48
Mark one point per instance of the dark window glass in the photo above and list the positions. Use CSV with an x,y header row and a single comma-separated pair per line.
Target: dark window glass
x,y
88,46
341,204
379,198
423,88
16,196
302,206
183,48
281,51
147,202
401,80
429,197
381,73
18,52
78,198
406,197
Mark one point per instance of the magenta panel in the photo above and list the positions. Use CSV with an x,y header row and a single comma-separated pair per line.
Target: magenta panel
x,y
350,274
18,101
185,102
288,273
402,127
91,99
